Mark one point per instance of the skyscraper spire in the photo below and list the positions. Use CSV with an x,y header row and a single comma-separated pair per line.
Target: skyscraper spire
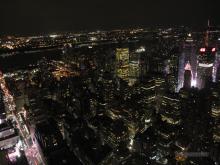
x,y
207,35
187,76
188,66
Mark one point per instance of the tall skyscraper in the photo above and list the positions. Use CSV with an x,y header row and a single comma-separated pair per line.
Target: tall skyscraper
x,y
171,71
134,67
206,68
187,76
188,54
122,63
206,59
215,112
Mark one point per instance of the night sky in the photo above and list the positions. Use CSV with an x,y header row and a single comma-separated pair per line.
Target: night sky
x,y
26,17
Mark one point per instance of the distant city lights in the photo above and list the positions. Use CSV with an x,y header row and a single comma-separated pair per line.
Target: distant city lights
x,y
53,35
140,50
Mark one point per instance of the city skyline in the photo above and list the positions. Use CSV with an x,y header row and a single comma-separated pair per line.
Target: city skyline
x,y
109,82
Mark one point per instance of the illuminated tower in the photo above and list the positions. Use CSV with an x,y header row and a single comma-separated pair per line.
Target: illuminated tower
x,y
134,71
187,76
215,113
134,67
206,59
169,124
206,68
122,63
171,72
188,54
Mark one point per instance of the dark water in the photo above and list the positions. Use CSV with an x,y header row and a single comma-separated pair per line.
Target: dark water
x,y
24,60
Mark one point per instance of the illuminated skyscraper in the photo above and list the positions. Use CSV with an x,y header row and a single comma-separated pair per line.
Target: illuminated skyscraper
x,y
168,126
134,67
134,71
206,60
187,76
122,63
188,55
215,112
171,71
206,68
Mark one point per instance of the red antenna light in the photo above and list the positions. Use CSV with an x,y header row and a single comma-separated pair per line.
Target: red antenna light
x,y
213,49
202,50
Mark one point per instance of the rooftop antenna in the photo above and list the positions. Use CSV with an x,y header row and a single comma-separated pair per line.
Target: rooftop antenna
x,y
207,35
208,23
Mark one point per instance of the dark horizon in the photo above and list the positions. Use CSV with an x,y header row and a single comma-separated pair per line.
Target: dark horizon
x,y
25,17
